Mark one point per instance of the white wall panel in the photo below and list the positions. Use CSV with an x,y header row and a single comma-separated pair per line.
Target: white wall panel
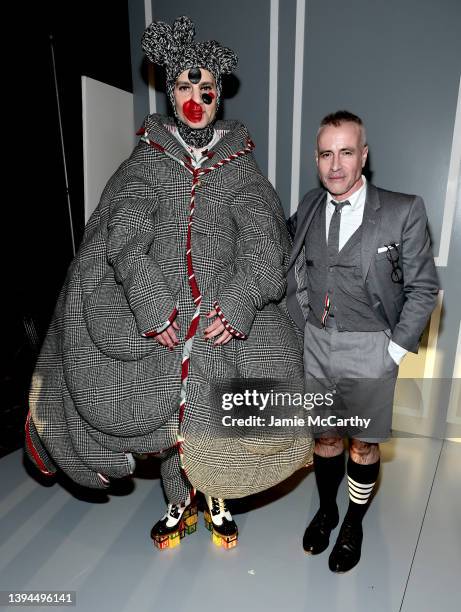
x,y
108,136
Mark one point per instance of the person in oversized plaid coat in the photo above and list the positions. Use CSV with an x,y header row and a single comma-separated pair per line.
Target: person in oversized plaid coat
x,y
179,282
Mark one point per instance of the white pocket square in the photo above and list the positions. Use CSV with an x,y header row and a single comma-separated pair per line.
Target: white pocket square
x,y
389,246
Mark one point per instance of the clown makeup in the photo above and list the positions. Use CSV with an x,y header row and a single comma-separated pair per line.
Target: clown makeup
x,y
194,75
208,97
195,103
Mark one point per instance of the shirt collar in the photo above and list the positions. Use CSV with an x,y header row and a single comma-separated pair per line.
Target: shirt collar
x,y
357,199
197,153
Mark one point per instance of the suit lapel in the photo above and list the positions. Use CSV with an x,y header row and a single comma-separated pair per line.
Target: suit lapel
x,y
306,213
370,226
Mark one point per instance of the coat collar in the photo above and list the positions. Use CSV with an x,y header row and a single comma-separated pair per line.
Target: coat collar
x,y
159,130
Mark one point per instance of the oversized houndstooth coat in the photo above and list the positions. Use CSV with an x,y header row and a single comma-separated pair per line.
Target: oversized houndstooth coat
x,y
101,390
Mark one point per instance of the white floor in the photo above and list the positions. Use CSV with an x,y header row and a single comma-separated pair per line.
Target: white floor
x,y
411,561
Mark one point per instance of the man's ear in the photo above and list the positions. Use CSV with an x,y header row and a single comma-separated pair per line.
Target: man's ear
x,y
364,155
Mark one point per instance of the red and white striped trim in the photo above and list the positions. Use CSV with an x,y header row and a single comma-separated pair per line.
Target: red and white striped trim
x,y
247,149
195,291
197,172
162,328
226,323
326,310
33,451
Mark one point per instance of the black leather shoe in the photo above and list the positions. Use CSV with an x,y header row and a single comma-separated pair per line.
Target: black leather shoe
x,y
317,535
346,552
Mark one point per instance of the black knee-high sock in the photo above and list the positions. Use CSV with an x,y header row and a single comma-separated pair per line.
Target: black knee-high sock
x,y
329,471
361,480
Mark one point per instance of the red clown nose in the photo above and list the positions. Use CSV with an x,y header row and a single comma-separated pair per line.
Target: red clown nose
x,y
192,111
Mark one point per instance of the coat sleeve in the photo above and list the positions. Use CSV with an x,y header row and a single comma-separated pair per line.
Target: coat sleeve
x,y
258,274
420,282
131,231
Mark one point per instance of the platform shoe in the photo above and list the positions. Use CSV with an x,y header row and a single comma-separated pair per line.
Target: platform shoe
x,y
219,521
178,521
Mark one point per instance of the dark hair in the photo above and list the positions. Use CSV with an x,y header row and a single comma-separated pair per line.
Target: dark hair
x,y
343,116
339,117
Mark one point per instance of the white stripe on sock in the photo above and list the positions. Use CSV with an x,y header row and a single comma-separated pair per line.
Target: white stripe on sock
x,y
359,493
357,501
360,485
357,490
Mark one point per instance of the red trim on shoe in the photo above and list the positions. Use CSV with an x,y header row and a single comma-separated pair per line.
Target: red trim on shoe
x,y
33,451
227,325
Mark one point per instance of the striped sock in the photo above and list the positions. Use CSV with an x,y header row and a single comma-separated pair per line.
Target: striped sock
x,y
361,480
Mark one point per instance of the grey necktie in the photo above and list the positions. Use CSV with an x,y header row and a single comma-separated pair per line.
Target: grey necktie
x,y
333,232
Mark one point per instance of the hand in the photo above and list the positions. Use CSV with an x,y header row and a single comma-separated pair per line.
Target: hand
x,y
168,337
216,328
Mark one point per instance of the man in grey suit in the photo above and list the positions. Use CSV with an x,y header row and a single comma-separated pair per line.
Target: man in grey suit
x,y
362,285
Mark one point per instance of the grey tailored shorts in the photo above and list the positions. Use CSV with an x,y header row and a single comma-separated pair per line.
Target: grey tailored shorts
x,y
358,372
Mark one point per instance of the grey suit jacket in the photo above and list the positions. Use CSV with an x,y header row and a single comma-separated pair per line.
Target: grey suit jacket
x,y
389,217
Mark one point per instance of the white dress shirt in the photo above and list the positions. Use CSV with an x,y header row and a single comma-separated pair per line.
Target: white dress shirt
x,y
351,216
351,219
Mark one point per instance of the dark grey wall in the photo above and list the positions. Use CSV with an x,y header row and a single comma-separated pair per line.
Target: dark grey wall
x,y
397,65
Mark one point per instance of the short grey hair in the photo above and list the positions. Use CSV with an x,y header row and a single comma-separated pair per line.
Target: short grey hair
x,y
343,116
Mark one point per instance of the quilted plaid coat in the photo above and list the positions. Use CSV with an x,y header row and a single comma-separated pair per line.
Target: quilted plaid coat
x,y
166,241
